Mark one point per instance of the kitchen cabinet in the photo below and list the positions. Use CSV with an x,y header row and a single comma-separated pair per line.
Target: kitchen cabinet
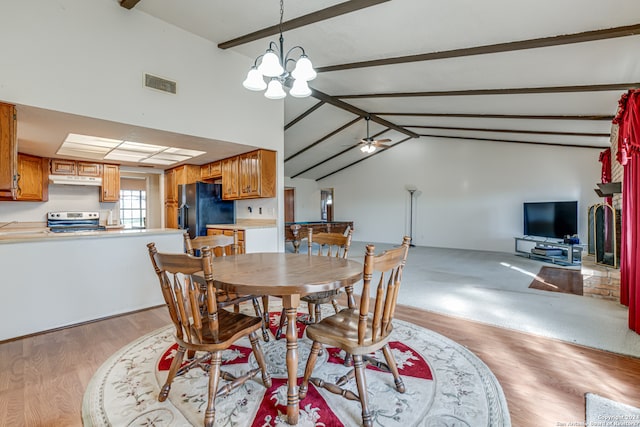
x,y
72,167
211,171
257,174
8,152
228,232
63,167
110,183
174,177
249,176
230,182
33,178
92,169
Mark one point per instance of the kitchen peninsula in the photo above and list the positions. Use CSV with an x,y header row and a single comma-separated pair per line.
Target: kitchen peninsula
x,y
253,235
53,280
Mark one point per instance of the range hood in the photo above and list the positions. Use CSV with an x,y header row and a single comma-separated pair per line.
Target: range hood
x,y
75,180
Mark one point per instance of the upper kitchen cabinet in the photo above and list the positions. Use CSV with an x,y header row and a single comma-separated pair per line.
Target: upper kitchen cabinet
x,y
8,152
72,167
249,176
110,183
211,171
33,179
230,180
257,174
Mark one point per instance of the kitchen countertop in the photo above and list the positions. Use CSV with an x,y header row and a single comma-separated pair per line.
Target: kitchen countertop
x,y
43,234
245,225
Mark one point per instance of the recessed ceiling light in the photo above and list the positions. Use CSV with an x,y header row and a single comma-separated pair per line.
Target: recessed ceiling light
x,y
98,148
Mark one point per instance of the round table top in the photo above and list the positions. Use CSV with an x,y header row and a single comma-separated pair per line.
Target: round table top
x,y
278,273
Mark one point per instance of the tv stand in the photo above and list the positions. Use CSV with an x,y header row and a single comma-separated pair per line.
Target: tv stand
x,y
547,250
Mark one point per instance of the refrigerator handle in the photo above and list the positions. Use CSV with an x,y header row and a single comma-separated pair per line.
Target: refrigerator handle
x,y
183,218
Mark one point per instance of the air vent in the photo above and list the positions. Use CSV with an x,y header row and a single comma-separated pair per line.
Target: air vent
x,y
158,83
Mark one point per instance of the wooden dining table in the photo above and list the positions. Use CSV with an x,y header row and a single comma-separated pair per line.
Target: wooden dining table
x,y
288,276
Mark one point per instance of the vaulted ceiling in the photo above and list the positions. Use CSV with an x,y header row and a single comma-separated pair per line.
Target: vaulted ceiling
x,y
543,72
526,72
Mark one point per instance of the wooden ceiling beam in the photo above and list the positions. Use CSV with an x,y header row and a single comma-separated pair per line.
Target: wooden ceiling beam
x,y
332,100
336,155
528,132
587,36
324,138
311,18
605,117
553,144
303,115
364,158
129,4
505,91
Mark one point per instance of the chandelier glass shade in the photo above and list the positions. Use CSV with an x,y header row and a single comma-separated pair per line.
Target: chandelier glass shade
x,y
273,65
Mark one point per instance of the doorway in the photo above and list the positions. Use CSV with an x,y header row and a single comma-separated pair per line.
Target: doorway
x,y
289,204
326,204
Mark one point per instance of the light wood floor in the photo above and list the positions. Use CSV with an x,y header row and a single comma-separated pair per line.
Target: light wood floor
x,y
43,378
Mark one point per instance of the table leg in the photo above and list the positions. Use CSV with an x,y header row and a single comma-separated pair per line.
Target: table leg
x,y
290,304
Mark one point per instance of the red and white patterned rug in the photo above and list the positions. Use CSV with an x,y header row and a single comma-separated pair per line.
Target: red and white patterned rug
x,y
446,386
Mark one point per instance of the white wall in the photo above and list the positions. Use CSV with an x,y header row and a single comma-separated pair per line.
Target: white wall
x,y
87,57
470,193
307,199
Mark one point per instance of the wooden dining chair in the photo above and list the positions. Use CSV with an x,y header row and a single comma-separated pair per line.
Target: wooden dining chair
x,y
210,332
222,245
321,244
359,332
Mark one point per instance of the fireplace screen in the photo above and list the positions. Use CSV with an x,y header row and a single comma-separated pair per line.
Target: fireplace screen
x,y
604,234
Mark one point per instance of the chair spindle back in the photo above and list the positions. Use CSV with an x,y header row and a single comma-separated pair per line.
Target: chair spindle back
x,y
387,270
329,244
183,295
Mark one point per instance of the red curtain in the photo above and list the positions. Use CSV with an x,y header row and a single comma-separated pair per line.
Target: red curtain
x,y
628,119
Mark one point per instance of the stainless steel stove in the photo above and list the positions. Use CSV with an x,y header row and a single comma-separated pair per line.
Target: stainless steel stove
x,y
69,222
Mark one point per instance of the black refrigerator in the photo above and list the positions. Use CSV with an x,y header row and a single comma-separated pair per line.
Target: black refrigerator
x,y
200,204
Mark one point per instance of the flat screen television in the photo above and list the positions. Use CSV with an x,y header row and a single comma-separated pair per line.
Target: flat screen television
x,y
551,219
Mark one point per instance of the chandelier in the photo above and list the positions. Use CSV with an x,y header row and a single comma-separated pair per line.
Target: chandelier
x,y
273,64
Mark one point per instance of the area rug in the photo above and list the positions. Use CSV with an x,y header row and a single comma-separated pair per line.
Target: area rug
x,y
558,280
446,386
601,411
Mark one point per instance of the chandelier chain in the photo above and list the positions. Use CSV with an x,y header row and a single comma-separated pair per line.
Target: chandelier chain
x,y
281,15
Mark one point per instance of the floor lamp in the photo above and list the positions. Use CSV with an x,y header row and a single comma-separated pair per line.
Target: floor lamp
x,y
411,189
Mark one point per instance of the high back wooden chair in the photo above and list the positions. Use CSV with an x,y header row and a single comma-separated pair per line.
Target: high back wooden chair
x,y
321,244
359,332
210,332
222,245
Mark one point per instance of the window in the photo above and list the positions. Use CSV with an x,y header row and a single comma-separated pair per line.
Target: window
x,y
133,208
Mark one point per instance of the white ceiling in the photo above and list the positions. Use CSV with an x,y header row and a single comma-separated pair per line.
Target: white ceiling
x,y
408,27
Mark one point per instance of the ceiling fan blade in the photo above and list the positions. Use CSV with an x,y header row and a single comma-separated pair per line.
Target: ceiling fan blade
x,y
382,140
382,145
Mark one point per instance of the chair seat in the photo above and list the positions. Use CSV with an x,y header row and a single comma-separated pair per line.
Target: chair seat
x,y
341,330
320,297
231,327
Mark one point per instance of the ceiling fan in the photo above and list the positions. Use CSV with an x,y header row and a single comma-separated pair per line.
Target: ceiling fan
x,y
368,145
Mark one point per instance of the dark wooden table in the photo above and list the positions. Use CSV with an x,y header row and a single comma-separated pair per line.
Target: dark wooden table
x,y
288,276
